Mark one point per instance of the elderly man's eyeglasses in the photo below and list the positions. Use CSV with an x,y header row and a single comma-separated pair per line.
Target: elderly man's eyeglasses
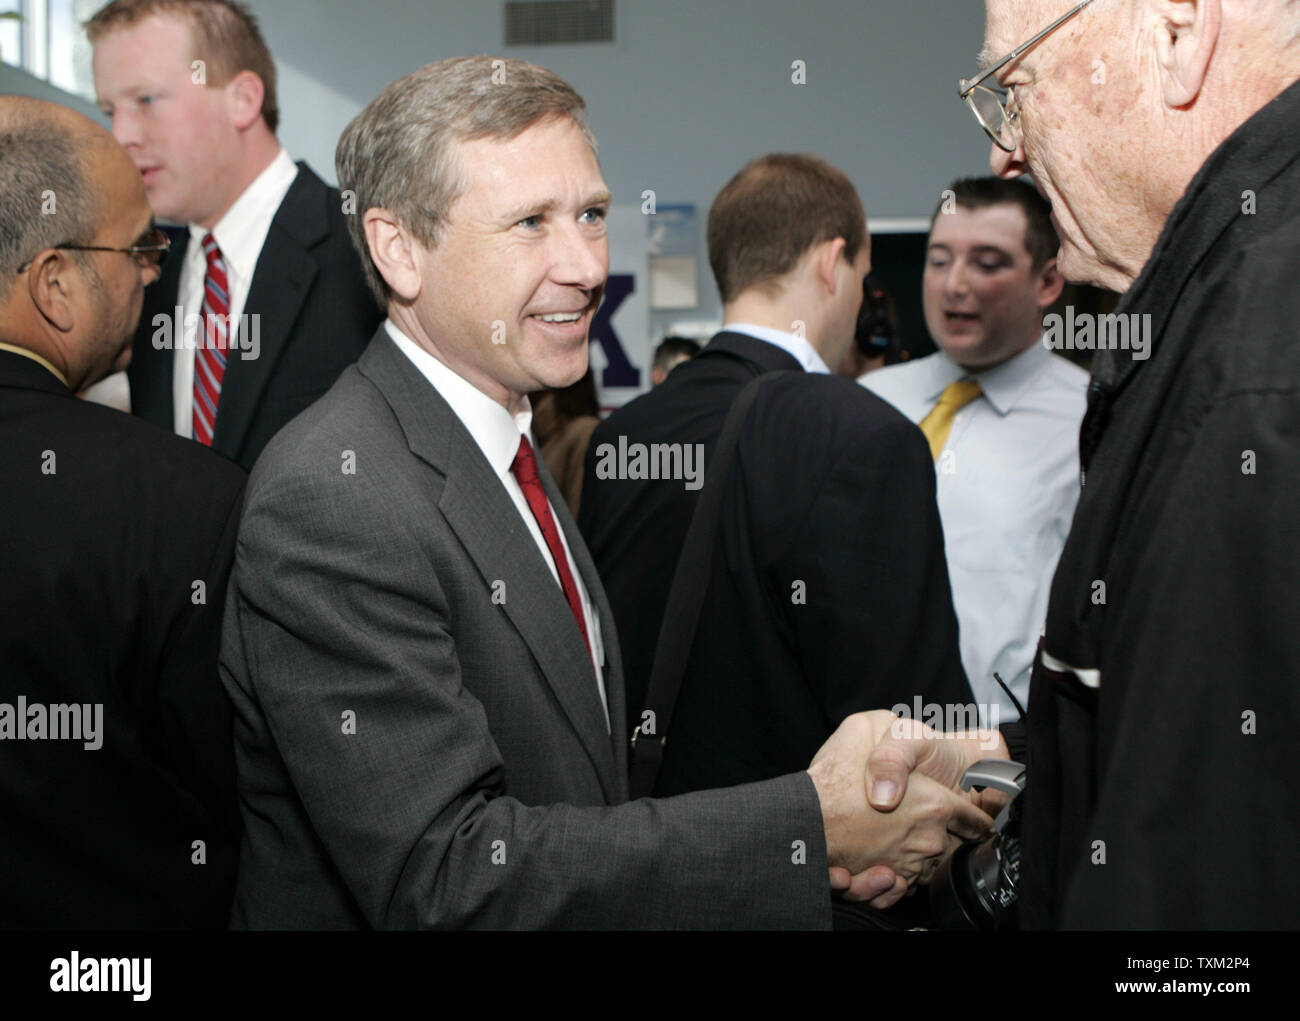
x,y
149,251
989,106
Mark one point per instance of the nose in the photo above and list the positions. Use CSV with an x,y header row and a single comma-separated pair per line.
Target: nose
x,y
582,260
1008,164
126,128
954,280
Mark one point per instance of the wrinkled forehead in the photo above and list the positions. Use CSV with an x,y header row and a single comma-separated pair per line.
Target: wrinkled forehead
x,y
1009,23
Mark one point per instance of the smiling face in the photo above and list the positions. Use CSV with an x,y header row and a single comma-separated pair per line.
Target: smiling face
x,y
1081,110
179,134
983,299
509,291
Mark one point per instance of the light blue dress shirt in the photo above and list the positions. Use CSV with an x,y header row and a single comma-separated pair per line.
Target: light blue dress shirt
x,y
1007,484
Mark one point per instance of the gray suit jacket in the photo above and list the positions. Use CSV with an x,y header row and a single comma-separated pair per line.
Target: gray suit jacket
x,y
415,753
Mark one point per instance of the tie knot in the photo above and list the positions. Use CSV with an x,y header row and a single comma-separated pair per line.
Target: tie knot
x,y
210,249
960,393
525,463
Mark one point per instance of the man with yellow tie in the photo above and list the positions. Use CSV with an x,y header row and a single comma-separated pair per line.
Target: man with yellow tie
x,y
1002,415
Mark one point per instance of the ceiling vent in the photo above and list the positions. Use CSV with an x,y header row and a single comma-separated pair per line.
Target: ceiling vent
x,y
552,22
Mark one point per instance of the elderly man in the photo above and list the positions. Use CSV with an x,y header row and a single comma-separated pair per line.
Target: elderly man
x,y
116,762
424,665
1162,785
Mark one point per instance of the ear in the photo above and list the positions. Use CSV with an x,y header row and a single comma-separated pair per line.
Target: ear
x,y
1186,36
244,93
1050,285
826,259
394,253
54,285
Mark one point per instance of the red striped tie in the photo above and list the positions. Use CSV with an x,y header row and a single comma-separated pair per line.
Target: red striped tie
x,y
210,358
525,468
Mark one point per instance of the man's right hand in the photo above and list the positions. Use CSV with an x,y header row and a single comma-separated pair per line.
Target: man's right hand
x,y
910,838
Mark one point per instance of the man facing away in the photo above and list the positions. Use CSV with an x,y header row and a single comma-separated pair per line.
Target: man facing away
x,y
426,676
262,301
116,761
828,592
671,352
1002,416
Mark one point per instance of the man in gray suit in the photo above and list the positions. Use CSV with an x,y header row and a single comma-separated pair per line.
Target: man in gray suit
x,y
422,660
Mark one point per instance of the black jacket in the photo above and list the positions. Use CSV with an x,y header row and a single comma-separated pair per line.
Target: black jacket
x,y
316,316
1169,796
829,591
107,525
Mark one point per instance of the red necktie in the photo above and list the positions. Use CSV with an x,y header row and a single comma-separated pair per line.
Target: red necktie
x,y
525,468
210,357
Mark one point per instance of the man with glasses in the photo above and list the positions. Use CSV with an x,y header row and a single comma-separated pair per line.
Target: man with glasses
x,y
116,762
1162,783
264,264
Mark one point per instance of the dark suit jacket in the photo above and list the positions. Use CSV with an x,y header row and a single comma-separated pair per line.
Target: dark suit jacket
x,y
419,736
1175,752
310,291
829,591
106,526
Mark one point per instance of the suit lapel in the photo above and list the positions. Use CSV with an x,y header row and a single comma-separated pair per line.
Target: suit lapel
x,y
485,520
282,278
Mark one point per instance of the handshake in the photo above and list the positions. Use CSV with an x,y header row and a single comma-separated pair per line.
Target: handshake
x,y
889,802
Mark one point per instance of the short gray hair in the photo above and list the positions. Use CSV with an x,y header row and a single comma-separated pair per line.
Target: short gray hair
x,y
44,198
399,152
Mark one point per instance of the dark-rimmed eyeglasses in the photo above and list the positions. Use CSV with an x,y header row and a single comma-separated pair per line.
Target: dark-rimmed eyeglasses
x,y
989,106
149,251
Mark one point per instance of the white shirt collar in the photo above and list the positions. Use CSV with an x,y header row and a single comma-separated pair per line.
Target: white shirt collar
x,y
242,230
1003,385
494,429
798,347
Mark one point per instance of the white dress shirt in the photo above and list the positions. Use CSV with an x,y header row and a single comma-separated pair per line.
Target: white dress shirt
x,y
804,353
1007,481
240,235
497,434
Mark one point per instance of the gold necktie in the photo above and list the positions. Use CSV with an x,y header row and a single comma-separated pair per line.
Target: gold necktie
x,y
938,423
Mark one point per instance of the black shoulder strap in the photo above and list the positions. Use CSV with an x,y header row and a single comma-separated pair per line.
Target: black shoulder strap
x,y
685,600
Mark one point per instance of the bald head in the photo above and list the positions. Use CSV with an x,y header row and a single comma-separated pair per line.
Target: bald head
x,y
50,159
64,180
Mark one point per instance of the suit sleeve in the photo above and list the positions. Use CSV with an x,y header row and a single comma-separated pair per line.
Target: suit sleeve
x,y
344,667
878,626
1197,805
